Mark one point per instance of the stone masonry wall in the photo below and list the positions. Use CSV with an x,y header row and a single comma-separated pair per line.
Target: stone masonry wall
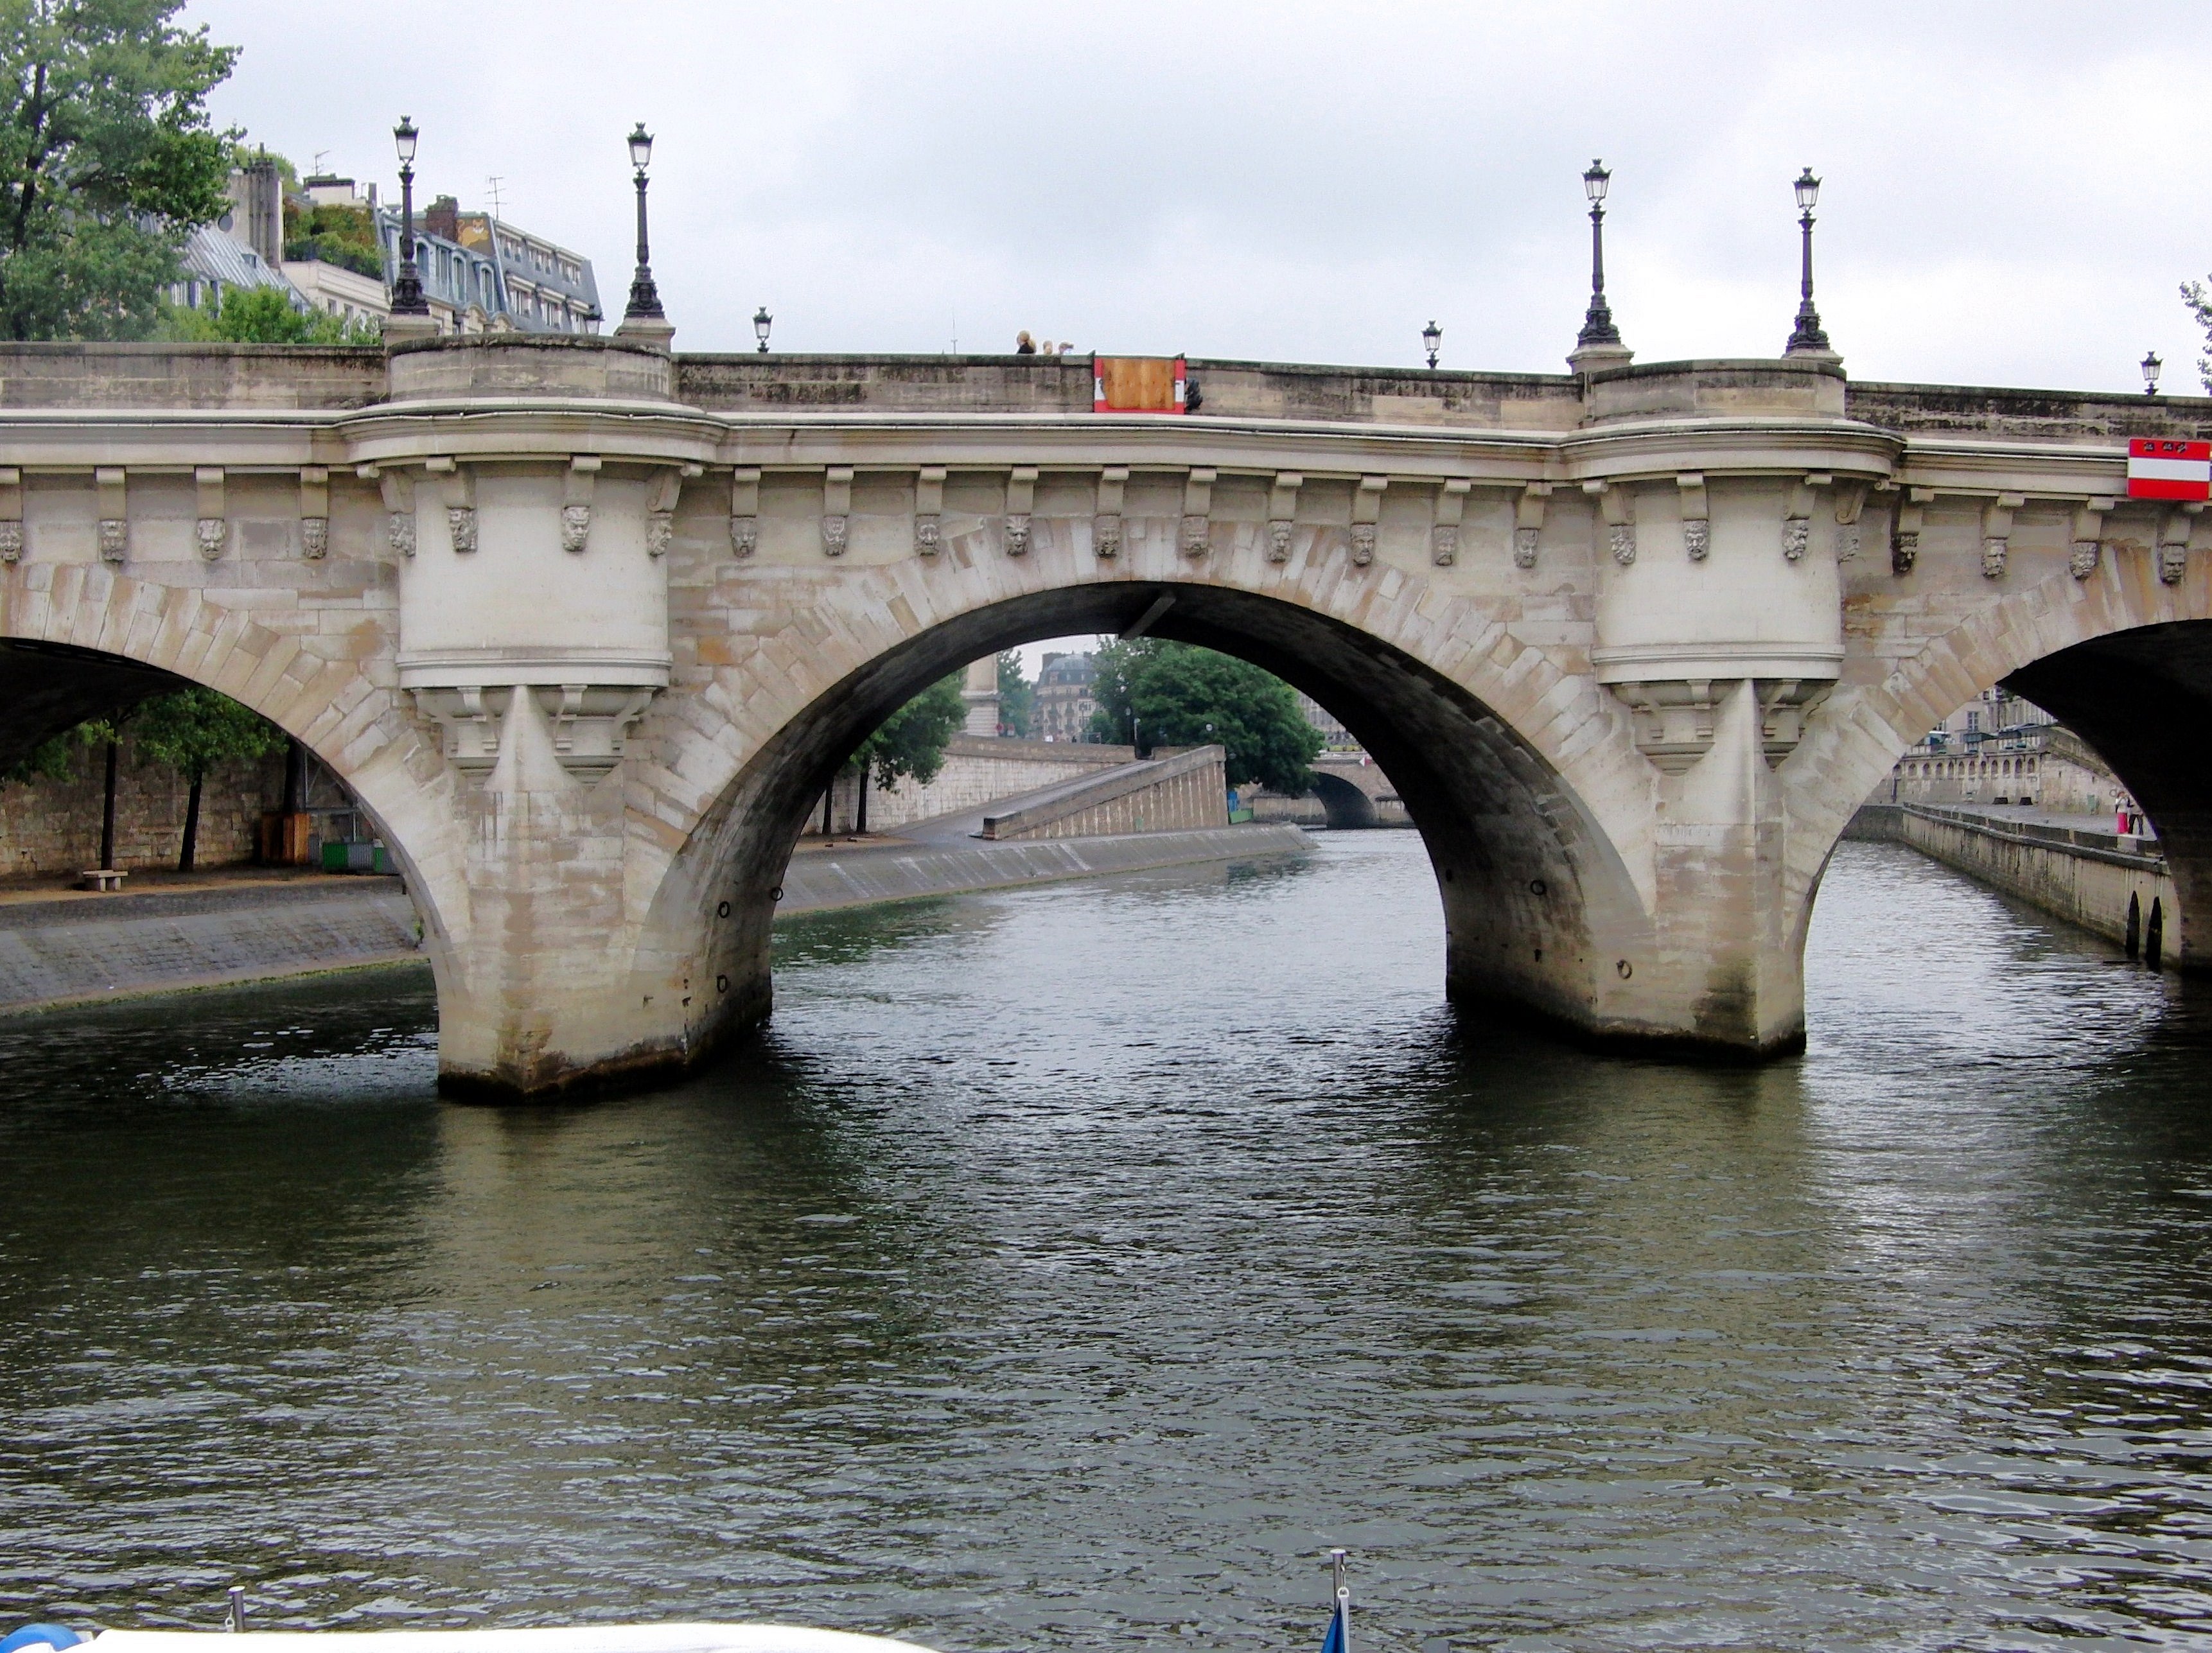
x,y
978,770
53,827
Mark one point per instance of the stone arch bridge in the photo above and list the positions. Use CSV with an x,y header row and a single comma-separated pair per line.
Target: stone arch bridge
x,y
585,626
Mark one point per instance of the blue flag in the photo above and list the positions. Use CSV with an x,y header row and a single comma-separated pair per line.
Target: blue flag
x,y
1339,1638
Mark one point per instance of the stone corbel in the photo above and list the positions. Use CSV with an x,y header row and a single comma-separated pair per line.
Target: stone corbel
x,y
1851,505
1996,533
661,502
745,512
1528,523
457,490
1197,513
2173,533
1282,512
112,489
1904,532
580,491
1618,506
1451,509
1674,720
1797,521
397,490
929,510
590,724
470,718
836,508
314,512
1021,498
1697,516
1784,704
1366,515
1106,515
211,521
2088,538
11,514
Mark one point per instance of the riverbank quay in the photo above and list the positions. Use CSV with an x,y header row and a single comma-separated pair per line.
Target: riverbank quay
x,y
175,934
2073,867
822,876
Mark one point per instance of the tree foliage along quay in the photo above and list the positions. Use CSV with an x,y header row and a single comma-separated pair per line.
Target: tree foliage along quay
x,y
1167,694
263,315
193,730
107,161
1016,697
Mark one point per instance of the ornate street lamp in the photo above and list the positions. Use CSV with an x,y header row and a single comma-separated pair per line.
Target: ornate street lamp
x,y
2151,364
1808,335
762,322
407,298
1432,339
644,296
1597,326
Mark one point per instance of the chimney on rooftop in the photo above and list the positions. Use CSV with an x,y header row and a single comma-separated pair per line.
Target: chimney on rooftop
x,y
443,218
264,210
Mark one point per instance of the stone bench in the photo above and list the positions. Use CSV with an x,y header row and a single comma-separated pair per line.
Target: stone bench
x,y
102,879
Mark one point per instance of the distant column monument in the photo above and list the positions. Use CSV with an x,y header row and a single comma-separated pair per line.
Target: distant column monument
x,y
980,689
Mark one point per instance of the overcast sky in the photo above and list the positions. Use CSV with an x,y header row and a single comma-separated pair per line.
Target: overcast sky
x,y
2012,192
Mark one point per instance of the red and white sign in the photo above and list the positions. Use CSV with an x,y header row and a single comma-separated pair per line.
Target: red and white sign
x,y
2162,470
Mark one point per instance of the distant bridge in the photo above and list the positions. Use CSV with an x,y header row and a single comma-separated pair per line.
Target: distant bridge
x,y
587,627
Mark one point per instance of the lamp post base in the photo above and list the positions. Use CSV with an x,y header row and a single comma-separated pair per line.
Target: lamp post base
x,y
404,329
1599,358
657,332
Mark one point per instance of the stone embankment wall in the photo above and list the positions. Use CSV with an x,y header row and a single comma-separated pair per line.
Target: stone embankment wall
x,y
2092,880
1185,791
978,771
53,827
60,950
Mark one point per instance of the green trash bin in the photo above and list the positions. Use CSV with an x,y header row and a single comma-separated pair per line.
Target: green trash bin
x,y
334,858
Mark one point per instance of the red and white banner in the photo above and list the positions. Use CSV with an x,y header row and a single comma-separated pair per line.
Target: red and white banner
x,y
2162,470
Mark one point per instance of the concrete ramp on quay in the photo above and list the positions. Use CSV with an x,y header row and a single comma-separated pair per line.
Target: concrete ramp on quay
x,y
831,877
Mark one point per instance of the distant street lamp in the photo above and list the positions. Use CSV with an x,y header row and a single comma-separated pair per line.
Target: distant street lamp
x,y
1597,326
644,296
1432,339
407,298
2151,364
1808,335
762,322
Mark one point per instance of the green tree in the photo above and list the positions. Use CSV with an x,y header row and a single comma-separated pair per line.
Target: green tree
x,y
913,740
263,315
2193,294
1166,694
191,731
1016,696
107,160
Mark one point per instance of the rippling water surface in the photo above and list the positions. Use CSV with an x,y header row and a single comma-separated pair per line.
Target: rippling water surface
x,y
1069,1266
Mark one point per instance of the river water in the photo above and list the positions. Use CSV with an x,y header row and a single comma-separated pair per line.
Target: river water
x,y
1069,1266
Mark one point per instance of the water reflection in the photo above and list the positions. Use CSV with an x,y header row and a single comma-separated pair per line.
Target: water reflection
x,y
1071,1265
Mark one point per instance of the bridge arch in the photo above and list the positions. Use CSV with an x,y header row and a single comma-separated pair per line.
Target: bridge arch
x,y
76,641
1490,748
1348,809
2122,658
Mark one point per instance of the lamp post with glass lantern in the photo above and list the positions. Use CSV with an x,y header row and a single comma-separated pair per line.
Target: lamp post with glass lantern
x,y
1432,339
644,296
2151,366
407,298
1807,338
762,322
1597,326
